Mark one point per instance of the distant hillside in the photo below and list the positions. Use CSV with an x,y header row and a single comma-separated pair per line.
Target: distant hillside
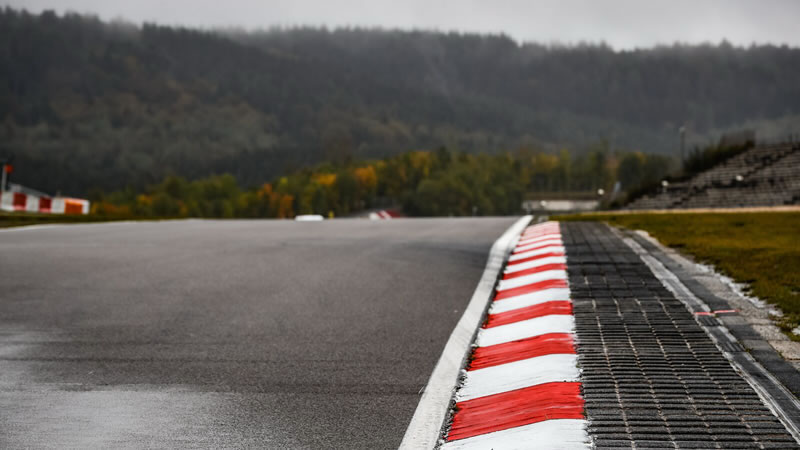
x,y
88,104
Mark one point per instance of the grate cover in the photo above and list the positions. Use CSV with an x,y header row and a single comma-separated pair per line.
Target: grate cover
x,y
652,378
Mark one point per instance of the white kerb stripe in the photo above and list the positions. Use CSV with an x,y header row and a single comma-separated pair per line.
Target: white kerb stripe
x,y
536,263
556,434
544,237
558,274
531,232
524,300
518,375
539,235
541,229
541,251
542,224
554,323
538,244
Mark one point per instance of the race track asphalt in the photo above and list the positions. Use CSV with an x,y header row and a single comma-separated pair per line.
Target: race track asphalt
x,y
228,334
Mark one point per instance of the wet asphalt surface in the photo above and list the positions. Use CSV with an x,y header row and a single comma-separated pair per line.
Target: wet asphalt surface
x,y
228,334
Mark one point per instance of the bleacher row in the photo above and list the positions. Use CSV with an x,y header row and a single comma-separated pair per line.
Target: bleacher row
x,y
761,176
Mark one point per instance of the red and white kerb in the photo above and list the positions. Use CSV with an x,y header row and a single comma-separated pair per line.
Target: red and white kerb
x,y
522,384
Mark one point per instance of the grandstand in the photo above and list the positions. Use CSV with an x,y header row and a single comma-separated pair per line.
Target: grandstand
x,y
761,176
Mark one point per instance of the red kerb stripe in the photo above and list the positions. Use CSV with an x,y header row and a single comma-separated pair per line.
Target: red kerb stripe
x,y
529,312
545,344
533,258
516,408
533,270
533,287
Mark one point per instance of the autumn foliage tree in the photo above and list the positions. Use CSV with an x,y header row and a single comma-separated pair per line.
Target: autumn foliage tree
x,y
421,183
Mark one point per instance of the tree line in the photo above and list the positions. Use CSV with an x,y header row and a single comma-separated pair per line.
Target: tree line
x,y
421,183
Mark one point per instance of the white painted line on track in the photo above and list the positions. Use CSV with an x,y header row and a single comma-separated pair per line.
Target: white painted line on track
x,y
518,375
28,228
66,225
558,434
534,298
541,251
556,323
433,408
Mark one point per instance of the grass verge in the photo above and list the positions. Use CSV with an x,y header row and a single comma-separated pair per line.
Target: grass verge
x,y
759,249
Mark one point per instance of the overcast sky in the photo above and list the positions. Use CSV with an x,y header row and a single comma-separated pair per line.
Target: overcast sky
x,y
620,23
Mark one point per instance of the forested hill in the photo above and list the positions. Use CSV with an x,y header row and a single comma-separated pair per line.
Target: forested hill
x,y
88,104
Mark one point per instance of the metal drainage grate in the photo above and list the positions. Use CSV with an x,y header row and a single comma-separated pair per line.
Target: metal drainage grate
x,y
652,378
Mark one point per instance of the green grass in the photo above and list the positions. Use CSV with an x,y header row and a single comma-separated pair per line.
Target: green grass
x,y
760,249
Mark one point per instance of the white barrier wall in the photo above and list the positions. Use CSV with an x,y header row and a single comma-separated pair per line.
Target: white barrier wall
x,y
7,201
32,203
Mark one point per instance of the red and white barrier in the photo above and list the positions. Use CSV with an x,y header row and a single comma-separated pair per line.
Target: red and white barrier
x,y
384,214
20,201
522,384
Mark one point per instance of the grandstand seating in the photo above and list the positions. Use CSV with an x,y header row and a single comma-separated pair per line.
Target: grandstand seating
x,y
761,176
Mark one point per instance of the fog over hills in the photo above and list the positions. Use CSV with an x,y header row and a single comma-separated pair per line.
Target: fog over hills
x,y
86,104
